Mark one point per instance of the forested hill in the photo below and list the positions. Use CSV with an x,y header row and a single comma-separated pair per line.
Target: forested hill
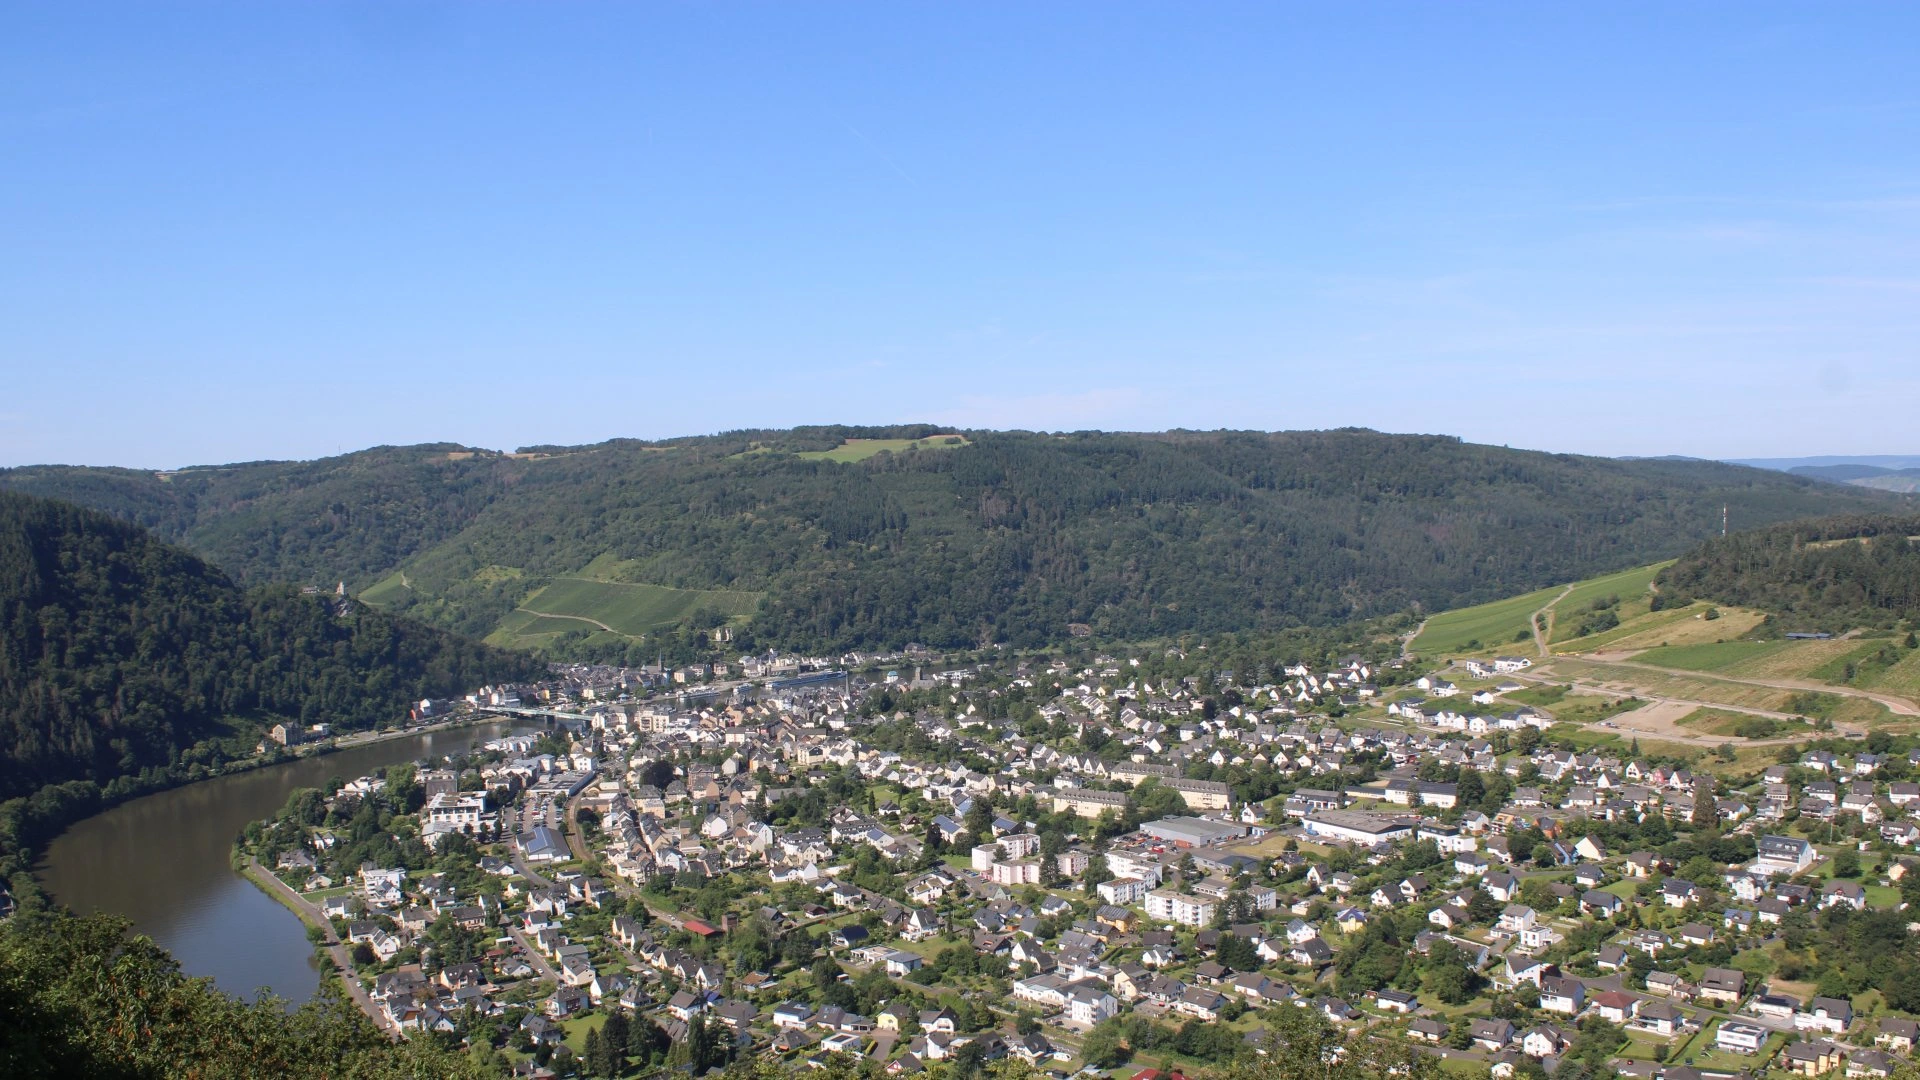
x,y
806,542
118,652
1834,573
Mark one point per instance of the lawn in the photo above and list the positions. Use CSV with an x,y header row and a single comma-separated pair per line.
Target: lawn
x,y
1496,626
1881,897
861,449
1641,1045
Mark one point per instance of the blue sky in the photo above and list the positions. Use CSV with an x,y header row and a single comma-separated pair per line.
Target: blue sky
x,y
283,230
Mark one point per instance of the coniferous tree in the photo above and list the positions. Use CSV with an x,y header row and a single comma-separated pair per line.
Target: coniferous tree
x,y
594,1056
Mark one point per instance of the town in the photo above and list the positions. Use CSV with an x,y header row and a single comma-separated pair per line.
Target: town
x,y
1110,863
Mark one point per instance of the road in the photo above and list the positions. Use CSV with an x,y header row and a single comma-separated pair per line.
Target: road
x,y
577,842
361,738
575,618
1406,643
1542,636
540,965
520,866
342,963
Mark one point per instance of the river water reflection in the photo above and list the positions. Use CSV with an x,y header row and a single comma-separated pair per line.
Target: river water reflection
x,y
162,861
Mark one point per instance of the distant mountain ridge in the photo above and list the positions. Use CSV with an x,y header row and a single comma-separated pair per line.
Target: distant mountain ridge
x,y
1789,464
1868,476
838,537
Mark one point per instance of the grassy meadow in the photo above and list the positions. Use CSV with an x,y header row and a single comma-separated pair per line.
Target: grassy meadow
x,y
861,449
1500,626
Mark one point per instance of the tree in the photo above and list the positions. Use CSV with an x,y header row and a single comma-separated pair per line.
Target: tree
x,y
1449,977
1097,873
979,821
1303,1045
1237,953
595,1058
71,987
752,945
968,1061
1154,800
1106,1045
1471,789
616,1035
1706,811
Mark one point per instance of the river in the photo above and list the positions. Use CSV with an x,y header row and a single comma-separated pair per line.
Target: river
x,y
162,861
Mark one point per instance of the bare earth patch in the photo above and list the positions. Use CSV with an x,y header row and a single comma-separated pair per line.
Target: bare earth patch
x,y
1660,719
1611,656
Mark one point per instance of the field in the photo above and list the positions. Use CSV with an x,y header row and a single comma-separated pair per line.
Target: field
x,y
1710,657
617,608
1497,626
1584,739
524,630
861,449
1738,725
1630,586
1803,661
1648,629
1902,678
1709,690
1501,624
385,590
1569,706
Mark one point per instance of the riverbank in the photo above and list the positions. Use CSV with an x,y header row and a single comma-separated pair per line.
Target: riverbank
x,y
330,944
28,825
166,862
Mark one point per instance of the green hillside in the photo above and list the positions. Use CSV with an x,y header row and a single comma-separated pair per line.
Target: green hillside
x,y
1498,626
1010,537
119,653
618,609
1834,574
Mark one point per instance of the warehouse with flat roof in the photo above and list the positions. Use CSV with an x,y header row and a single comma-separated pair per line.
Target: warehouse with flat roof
x,y
1193,831
1357,828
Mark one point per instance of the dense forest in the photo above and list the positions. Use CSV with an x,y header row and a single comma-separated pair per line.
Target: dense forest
x,y
1012,538
80,997
120,653
1833,573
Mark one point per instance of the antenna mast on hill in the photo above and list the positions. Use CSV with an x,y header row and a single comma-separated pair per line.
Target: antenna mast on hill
x,y
1723,521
